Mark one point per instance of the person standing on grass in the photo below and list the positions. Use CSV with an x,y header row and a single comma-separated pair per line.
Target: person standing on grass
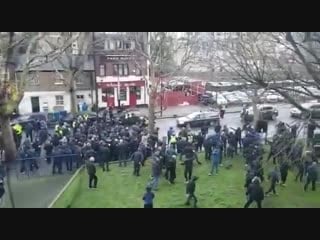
x,y
148,198
190,192
300,166
137,158
91,169
255,193
274,179
284,168
156,170
312,176
215,160
190,156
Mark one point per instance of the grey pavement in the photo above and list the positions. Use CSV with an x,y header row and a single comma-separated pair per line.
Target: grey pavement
x,y
35,190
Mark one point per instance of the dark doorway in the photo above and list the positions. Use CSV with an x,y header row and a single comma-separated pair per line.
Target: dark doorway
x,y
35,104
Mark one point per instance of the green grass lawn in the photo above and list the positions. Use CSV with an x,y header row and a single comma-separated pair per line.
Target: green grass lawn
x,y
120,189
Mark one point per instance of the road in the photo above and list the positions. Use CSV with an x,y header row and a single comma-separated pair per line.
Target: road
x,y
231,118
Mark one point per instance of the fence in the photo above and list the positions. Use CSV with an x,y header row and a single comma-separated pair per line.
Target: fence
x,y
40,167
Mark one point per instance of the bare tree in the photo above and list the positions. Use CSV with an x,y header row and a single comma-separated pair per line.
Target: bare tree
x,y
12,88
159,49
73,60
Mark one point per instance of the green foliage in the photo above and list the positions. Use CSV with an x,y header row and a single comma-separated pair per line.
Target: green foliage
x,y
120,189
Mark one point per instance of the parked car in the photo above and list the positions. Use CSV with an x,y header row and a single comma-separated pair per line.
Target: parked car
x,y
199,119
266,112
312,107
207,99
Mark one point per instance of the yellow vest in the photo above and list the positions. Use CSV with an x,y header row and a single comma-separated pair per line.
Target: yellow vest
x,y
173,139
18,129
86,117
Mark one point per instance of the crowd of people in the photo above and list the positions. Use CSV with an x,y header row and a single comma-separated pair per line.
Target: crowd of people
x,y
102,140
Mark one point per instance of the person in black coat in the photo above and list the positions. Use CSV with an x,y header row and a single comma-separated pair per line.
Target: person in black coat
x,y
300,166
255,193
207,144
122,152
238,137
48,147
312,176
104,156
29,131
171,164
190,192
91,170
274,179
199,141
137,158
57,160
284,168
190,156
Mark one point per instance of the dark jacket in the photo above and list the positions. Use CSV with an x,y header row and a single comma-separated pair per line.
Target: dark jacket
x,y
137,157
29,128
255,192
273,177
191,187
156,168
284,167
91,168
312,172
48,147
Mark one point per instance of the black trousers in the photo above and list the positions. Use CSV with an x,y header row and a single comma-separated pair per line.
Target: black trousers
x,y
272,188
188,172
274,159
122,159
29,134
58,165
69,162
284,176
190,197
300,176
170,174
208,152
136,169
199,147
250,201
93,178
313,183
105,165
148,205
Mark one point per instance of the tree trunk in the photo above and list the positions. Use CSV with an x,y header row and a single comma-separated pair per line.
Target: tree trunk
x,y
152,102
8,140
73,100
256,115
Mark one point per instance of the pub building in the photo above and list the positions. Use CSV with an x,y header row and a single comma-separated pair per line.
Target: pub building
x,y
121,75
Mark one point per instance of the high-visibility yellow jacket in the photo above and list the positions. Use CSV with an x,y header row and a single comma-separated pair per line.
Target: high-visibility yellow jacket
x,y
173,140
18,129
86,116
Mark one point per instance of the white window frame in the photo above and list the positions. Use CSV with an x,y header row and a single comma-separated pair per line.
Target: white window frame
x,y
102,70
59,102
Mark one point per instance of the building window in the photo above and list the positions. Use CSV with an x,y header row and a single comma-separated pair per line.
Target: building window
x,y
138,93
59,79
102,70
59,100
112,45
119,44
123,94
127,45
120,70
80,97
138,71
110,92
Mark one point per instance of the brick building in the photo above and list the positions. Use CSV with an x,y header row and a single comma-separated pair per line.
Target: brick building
x,y
121,72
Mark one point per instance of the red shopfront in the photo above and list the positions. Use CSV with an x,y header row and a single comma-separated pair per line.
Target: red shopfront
x,y
131,89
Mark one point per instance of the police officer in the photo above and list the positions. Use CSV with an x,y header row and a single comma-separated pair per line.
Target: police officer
x,y
173,141
190,156
17,134
169,134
